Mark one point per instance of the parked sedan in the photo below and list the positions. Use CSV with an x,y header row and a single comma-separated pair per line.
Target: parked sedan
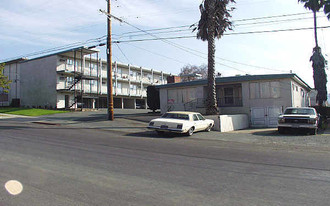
x,y
181,122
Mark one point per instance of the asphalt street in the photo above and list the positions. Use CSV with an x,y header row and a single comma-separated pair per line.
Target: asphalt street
x,y
66,165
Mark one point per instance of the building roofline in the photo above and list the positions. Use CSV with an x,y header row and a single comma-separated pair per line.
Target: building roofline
x,y
235,79
14,61
84,48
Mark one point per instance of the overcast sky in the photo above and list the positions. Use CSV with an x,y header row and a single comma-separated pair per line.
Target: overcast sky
x,y
29,26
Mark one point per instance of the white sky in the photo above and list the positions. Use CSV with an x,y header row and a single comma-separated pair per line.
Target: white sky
x,y
34,25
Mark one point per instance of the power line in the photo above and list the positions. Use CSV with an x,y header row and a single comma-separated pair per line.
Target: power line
x,y
229,34
128,61
270,17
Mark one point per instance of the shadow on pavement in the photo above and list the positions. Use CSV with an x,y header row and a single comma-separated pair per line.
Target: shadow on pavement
x,y
274,133
13,127
152,134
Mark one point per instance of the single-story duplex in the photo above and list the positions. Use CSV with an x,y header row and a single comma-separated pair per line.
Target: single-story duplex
x,y
261,97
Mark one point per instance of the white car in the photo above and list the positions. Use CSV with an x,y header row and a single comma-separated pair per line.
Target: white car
x,y
298,118
181,122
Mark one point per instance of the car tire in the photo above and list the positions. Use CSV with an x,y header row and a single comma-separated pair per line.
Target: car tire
x,y
191,131
313,131
281,130
209,128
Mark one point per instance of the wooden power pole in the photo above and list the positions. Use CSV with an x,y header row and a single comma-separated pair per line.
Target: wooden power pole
x,y
109,67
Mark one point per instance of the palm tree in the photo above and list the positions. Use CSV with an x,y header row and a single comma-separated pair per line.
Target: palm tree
x,y
213,23
317,59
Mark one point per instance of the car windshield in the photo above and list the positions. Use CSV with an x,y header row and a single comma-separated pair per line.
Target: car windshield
x,y
299,111
176,116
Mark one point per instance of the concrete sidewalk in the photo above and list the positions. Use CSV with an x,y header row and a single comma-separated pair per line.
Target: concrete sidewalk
x,y
126,120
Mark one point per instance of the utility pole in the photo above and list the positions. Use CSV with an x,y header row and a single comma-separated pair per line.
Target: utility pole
x,y
109,66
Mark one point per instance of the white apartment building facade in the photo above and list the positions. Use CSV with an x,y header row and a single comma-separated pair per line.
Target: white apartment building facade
x,y
78,78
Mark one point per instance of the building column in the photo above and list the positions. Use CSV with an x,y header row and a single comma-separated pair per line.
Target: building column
x,y
116,80
122,103
93,103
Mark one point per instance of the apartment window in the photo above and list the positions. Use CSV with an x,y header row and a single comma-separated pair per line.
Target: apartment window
x,y
93,82
87,65
93,66
254,91
302,93
275,89
104,67
69,80
229,95
133,87
119,72
104,82
265,90
69,61
62,78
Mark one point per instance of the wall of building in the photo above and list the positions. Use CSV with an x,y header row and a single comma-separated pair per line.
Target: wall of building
x,y
181,99
12,71
38,87
280,98
299,95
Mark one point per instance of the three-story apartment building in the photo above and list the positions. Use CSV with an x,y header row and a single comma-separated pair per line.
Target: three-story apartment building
x,y
78,78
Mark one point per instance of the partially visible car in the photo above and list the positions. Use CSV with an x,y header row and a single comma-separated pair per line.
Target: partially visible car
x,y
181,122
298,118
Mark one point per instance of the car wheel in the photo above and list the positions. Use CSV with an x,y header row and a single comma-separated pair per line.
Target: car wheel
x,y
209,128
281,130
190,131
313,131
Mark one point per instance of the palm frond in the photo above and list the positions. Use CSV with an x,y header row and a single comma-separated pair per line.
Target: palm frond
x,y
313,5
221,16
327,8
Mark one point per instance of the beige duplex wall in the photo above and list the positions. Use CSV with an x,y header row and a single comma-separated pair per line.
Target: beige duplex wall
x,y
38,82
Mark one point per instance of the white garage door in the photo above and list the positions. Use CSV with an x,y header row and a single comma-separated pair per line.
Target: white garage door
x,y
264,116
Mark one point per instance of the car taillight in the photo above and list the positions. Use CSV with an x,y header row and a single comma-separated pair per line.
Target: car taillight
x,y
151,123
179,126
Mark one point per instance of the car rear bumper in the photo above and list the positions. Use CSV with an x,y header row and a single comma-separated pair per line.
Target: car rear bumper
x,y
167,129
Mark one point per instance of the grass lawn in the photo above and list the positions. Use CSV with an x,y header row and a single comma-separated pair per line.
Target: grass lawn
x,y
29,112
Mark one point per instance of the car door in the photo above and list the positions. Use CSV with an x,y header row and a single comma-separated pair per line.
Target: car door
x,y
197,123
202,121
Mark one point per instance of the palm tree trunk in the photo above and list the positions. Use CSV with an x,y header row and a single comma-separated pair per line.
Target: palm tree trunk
x,y
315,29
211,93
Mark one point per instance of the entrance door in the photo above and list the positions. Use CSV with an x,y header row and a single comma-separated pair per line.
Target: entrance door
x,y
264,117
